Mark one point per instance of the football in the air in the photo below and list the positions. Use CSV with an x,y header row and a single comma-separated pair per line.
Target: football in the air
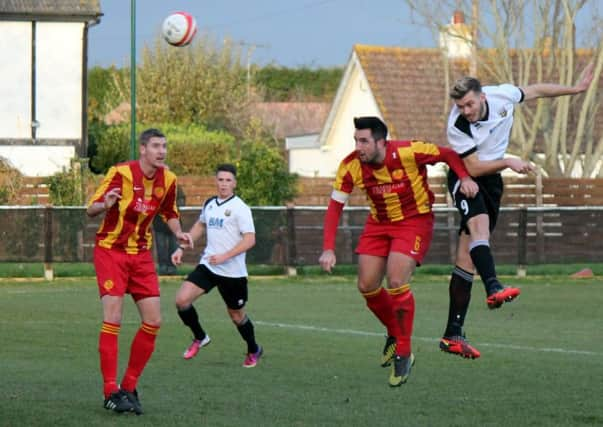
x,y
179,28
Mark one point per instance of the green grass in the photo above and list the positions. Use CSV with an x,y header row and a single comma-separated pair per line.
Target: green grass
x,y
86,269
541,364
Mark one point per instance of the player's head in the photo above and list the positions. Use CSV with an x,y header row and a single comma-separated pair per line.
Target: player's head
x,y
153,148
227,167
374,124
469,98
146,135
370,137
226,180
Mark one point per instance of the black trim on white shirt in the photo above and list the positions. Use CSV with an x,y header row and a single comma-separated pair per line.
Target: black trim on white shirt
x,y
463,125
468,152
223,202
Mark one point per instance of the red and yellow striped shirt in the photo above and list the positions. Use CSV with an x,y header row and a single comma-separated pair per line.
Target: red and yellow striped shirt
x,y
398,188
126,225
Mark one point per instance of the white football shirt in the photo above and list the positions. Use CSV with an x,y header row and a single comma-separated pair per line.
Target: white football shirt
x,y
225,222
489,137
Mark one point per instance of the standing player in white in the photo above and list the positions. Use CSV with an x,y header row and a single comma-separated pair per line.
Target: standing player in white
x,y
230,233
478,129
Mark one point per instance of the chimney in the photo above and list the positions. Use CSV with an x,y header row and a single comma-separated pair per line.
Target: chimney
x,y
455,38
458,17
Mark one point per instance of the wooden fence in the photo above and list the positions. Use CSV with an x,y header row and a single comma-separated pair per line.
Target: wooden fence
x,y
542,221
293,236
521,191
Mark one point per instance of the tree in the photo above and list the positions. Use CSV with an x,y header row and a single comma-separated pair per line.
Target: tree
x,y
298,84
262,175
528,41
201,98
102,93
201,83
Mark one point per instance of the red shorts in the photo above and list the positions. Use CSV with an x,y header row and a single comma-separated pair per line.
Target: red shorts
x,y
410,237
118,273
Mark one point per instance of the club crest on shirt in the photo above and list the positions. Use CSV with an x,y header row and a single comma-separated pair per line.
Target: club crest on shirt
x,y
502,113
398,174
227,212
159,192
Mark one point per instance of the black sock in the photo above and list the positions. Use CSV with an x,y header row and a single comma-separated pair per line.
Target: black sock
x,y
189,318
247,333
481,255
460,295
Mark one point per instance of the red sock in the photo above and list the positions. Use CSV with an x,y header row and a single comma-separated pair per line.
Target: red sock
x,y
381,304
140,353
404,307
107,348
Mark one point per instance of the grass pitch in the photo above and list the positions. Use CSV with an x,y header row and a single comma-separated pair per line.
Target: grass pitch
x,y
541,364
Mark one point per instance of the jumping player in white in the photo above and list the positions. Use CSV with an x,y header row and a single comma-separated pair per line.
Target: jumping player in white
x,y
478,129
228,223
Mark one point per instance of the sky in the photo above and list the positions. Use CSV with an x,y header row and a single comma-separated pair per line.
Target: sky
x,y
291,33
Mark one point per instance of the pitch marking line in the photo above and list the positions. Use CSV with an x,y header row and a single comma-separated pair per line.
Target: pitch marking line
x,y
434,340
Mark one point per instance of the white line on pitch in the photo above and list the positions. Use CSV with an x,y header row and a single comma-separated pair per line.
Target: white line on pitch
x,y
377,334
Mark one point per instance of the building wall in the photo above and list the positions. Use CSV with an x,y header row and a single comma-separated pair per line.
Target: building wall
x,y
58,95
15,84
356,99
59,79
40,161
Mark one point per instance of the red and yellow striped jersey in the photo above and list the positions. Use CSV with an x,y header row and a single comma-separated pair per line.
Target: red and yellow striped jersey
x,y
398,188
126,225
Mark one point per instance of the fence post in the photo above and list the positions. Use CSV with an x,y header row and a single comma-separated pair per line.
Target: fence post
x,y
539,216
522,242
48,272
291,267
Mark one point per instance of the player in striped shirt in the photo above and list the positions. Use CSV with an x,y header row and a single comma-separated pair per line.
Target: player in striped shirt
x,y
398,230
130,196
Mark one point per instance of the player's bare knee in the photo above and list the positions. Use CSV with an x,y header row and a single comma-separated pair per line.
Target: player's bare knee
x,y
182,302
364,287
396,283
152,321
238,317
479,227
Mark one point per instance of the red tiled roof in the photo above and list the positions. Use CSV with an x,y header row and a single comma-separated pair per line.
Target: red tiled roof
x,y
410,87
292,118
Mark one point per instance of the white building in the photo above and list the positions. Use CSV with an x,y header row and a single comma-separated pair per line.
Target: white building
x,y
403,86
43,87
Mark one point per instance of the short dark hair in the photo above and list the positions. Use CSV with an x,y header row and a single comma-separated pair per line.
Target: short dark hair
x,y
375,124
465,85
146,135
227,167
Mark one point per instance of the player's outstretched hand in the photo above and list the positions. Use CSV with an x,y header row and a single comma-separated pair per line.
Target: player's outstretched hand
x,y
469,187
111,197
185,239
177,256
327,260
520,166
586,78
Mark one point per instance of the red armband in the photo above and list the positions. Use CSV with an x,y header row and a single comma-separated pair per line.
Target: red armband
x,y
455,162
330,224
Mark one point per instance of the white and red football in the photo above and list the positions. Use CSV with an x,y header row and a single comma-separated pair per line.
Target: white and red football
x,y
179,28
